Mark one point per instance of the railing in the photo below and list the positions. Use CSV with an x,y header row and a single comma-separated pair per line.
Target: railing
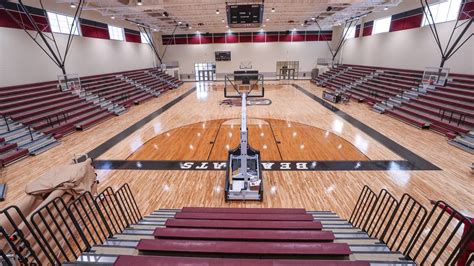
x,y
405,227
61,117
5,118
64,228
450,116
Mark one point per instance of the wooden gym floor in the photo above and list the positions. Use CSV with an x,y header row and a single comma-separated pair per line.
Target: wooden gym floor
x,y
190,125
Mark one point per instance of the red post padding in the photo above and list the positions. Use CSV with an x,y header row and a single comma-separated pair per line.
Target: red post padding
x,y
125,260
232,224
245,216
227,248
245,210
246,235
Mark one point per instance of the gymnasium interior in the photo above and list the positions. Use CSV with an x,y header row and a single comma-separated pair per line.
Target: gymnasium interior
x,y
239,132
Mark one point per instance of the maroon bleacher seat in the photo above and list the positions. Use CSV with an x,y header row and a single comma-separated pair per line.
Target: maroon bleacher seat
x,y
244,216
247,235
249,249
126,260
223,224
244,210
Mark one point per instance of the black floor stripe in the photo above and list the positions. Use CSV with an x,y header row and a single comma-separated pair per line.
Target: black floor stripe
x,y
99,150
418,162
266,165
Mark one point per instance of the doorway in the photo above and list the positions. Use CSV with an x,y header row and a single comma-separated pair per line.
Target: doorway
x,y
205,71
287,70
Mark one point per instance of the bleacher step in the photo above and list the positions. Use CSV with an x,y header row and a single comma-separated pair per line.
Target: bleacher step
x,y
464,142
49,144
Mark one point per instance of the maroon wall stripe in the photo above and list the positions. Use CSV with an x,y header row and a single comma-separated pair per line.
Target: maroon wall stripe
x,y
367,31
406,23
94,32
7,22
468,11
129,37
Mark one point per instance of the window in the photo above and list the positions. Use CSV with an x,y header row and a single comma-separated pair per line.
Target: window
x,y
351,32
382,25
144,38
116,33
442,12
62,24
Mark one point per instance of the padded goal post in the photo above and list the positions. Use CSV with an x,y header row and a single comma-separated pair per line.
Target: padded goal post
x,y
251,82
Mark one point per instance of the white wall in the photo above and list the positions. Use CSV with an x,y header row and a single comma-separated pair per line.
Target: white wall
x,y
410,49
262,55
21,61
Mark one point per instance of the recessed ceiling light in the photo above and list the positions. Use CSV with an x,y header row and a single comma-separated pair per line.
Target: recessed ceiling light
x,y
190,27
267,19
179,22
217,12
139,2
263,25
385,8
302,24
112,17
223,20
72,5
226,26
313,18
273,10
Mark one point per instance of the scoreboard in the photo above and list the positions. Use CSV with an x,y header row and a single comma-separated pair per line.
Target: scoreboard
x,y
240,16
223,56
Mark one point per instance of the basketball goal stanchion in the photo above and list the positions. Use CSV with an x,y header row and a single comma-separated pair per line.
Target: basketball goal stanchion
x,y
434,77
69,82
244,173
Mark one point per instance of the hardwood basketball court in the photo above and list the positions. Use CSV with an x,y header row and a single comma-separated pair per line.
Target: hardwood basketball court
x,y
198,128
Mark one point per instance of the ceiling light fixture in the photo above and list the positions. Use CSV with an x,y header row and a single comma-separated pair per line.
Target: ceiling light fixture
x,y
385,8
217,11
313,18
273,10
165,14
223,20
179,22
72,5
267,19
112,17
139,2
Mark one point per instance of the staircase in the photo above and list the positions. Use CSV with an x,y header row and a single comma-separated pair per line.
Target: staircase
x,y
321,237
18,140
404,96
140,86
100,101
464,142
